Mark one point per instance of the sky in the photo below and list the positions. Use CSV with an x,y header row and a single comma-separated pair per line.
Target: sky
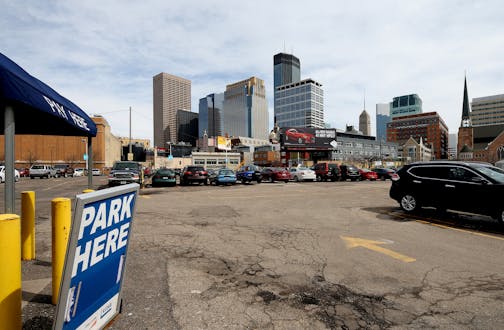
x,y
102,55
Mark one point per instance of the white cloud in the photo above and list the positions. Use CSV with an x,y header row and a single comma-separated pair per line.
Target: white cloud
x,y
103,55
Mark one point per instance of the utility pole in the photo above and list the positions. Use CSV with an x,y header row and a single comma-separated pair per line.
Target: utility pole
x,y
130,153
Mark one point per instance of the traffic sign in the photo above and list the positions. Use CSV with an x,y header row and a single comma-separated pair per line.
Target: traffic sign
x,y
90,293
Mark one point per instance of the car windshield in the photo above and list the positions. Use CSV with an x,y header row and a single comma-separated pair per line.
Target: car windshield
x,y
37,167
60,166
165,172
493,172
226,172
125,166
333,166
302,168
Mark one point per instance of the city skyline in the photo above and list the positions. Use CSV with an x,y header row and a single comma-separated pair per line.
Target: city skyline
x,y
103,56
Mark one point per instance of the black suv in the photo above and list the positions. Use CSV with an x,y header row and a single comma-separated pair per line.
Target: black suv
x,y
349,172
192,174
327,171
460,186
64,170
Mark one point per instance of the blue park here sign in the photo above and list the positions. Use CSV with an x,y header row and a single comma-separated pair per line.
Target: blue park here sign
x,y
96,257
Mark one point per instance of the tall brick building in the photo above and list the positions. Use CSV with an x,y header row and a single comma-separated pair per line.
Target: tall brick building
x,y
429,126
51,149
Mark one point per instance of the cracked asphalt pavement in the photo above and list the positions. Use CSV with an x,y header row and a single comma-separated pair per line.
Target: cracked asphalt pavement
x,y
271,256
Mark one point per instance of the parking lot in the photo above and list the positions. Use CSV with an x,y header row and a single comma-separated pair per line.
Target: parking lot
x,y
288,256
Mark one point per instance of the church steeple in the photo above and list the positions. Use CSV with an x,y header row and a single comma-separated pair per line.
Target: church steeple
x,y
466,116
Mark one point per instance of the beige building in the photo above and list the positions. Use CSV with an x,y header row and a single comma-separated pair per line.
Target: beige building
x,y
246,109
488,110
51,149
170,93
413,151
125,142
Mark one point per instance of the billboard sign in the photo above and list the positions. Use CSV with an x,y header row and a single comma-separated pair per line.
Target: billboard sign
x,y
308,138
223,143
90,293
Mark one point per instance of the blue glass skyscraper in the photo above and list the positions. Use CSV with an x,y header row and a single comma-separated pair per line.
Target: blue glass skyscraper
x,y
286,70
211,115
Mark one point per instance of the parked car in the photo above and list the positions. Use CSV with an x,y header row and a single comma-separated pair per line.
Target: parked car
x,y
384,173
42,171
327,171
2,174
349,172
248,173
366,174
192,174
24,172
79,171
294,135
124,172
301,173
64,170
460,186
273,174
164,177
97,172
225,176
148,172
212,174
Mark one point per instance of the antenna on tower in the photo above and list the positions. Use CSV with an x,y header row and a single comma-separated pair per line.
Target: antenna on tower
x,y
364,99
284,47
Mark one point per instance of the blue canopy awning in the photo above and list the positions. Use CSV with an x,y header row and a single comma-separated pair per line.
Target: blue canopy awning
x,y
38,108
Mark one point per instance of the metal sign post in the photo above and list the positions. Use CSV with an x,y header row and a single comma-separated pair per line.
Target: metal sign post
x,y
90,293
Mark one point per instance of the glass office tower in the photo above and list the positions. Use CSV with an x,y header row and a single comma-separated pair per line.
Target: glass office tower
x,y
300,104
211,115
246,109
405,105
286,70
382,118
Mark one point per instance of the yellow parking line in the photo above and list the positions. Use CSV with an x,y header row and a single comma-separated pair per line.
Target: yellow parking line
x,y
461,230
145,196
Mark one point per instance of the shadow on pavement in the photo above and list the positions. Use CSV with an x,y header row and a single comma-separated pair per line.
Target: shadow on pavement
x,y
466,221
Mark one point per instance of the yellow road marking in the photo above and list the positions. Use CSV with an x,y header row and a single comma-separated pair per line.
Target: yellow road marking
x,y
447,226
145,196
459,229
352,242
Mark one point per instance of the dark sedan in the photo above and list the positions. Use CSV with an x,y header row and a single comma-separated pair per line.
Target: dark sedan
x,y
164,177
273,174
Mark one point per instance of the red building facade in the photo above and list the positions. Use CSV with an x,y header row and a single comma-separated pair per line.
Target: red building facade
x,y
429,126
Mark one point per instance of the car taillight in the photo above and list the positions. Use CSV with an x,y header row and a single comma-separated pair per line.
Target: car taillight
x,y
394,177
187,173
203,173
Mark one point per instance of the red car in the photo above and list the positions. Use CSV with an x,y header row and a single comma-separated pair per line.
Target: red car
x,y
273,174
368,174
293,135
24,172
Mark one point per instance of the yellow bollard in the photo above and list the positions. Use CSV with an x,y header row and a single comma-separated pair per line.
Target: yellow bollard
x,y
61,218
85,191
10,271
28,225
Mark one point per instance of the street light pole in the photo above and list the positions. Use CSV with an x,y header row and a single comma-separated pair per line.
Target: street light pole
x,y
86,158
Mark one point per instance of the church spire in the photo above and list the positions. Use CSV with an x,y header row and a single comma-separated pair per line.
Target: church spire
x,y
466,118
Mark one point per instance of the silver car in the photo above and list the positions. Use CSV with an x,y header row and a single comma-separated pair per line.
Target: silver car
x,y
42,171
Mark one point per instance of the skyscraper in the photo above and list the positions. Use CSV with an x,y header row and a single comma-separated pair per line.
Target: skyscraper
x,y
286,70
365,123
170,93
210,115
405,105
246,109
300,104
382,118
187,127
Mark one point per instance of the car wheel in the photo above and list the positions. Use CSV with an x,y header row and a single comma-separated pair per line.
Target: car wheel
x,y
271,179
206,182
318,178
286,181
259,180
32,177
296,178
409,203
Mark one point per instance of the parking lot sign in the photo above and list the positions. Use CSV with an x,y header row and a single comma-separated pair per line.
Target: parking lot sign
x,y
90,293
